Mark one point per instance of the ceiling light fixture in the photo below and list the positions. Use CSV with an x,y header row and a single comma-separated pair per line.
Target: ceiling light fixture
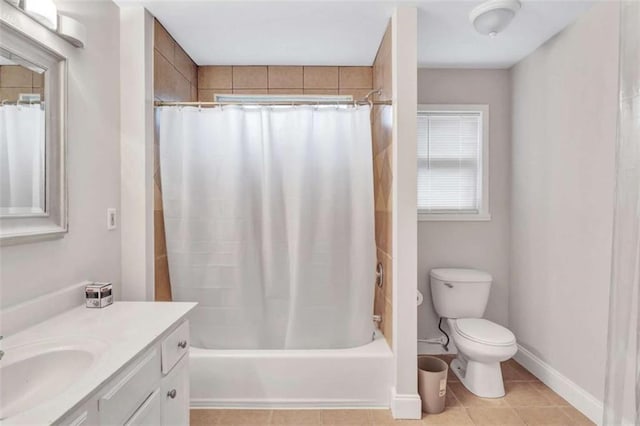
x,y
493,16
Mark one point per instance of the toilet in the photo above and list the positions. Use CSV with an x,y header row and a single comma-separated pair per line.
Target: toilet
x,y
460,296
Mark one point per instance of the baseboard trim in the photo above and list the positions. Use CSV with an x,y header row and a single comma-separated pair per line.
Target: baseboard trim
x,y
405,406
574,394
298,404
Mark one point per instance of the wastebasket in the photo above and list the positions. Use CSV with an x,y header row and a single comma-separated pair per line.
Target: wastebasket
x,y
432,383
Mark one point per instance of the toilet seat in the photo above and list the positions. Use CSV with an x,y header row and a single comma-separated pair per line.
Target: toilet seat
x,y
483,331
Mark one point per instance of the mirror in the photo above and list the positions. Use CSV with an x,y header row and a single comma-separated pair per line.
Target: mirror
x,y
32,173
22,137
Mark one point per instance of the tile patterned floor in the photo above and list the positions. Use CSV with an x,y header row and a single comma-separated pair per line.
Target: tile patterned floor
x,y
527,402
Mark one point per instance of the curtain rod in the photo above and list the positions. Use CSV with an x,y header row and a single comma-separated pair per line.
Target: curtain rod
x,y
274,103
364,101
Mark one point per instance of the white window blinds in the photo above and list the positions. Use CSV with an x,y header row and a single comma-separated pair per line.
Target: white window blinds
x,y
449,162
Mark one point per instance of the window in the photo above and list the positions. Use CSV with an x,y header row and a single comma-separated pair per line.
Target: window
x,y
453,162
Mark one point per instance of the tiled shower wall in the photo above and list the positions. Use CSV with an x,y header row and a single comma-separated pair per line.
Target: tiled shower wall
x,y
15,79
175,78
382,126
283,80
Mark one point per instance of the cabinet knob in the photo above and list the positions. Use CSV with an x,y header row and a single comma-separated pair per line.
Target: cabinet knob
x,y
182,344
172,393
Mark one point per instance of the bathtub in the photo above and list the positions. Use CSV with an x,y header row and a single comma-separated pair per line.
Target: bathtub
x,y
323,378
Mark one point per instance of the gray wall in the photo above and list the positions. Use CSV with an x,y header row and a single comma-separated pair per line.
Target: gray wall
x,y
88,251
564,129
483,244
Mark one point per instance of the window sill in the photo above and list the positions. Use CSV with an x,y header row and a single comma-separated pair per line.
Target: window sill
x,y
481,217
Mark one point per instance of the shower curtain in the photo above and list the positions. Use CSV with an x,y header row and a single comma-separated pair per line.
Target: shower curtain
x,y
269,222
622,389
22,129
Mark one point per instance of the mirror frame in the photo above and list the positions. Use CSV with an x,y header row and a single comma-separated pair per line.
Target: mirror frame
x,y
53,222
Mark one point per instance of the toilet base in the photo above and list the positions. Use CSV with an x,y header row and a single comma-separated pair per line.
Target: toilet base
x,y
481,379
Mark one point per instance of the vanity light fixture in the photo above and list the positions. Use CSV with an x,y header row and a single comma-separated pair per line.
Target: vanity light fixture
x,y
43,11
493,16
72,31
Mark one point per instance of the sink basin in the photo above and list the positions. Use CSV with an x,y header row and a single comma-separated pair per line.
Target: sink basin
x,y
33,373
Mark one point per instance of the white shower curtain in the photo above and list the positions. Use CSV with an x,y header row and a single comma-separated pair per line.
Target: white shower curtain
x,y
269,221
622,390
22,144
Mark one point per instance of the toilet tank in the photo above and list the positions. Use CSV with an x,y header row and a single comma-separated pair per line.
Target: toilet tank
x,y
460,293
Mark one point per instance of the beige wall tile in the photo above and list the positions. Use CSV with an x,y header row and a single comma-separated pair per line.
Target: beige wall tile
x,y
285,77
357,94
321,92
13,93
387,264
157,197
38,79
356,78
160,244
215,77
163,41
207,95
387,324
185,65
250,77
382,66
321,78
250,91
194,93
383,230
15,76
285,91
162,284
164,78
183,88
382,127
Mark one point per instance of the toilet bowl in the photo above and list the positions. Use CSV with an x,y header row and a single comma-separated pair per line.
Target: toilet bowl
x,y
461,296
482,346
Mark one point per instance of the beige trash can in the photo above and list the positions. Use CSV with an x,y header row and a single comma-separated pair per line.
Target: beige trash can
x,y
432,383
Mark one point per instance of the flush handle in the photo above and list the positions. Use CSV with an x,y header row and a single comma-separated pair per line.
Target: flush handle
x,y
172,394
449,285
182,344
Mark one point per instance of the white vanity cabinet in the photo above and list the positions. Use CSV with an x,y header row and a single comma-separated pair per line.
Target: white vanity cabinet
x,y
152,389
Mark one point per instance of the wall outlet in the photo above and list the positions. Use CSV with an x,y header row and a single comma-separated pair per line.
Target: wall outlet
x,y
112,219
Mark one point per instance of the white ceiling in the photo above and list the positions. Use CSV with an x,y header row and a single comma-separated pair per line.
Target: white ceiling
x,y
316,32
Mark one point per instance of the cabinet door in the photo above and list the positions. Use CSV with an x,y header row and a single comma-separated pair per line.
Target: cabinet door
x,y
175,395
85,416
149,412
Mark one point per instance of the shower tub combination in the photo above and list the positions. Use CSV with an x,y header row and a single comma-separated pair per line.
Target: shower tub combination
x,y
297,378
269,219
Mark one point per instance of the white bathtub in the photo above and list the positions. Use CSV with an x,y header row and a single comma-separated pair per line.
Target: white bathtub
x,y
324,378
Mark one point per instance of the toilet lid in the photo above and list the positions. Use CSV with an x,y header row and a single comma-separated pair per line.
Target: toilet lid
x,y
484,331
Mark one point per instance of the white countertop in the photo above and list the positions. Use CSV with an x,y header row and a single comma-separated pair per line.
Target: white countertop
x,y
127,328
